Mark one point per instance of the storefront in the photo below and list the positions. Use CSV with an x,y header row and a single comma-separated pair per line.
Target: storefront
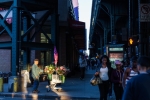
x,y
114,52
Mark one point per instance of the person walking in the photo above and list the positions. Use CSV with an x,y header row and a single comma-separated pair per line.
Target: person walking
x,y
103,71
98,63
138,87
126,63
83,64
35,75
88,64
92,63
116,78
130,71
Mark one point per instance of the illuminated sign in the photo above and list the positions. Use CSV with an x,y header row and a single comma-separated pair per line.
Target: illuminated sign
x,y
115,56
115,49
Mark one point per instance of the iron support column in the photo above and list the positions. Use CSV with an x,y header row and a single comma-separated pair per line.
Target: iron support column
x,y
15,32
101,44
105,36
112,27
129,30
25,39
139,30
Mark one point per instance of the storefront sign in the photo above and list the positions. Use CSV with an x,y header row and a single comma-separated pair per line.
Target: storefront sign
x,y
115,49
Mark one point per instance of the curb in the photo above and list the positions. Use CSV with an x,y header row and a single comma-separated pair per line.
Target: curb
x,y
43,96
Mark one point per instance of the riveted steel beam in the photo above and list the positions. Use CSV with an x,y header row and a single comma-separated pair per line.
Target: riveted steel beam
x,y
104,10
9,10
36,23
105,36
46,46
45,3
25,51
40,27
5,45
2,31
3,22
2,1
5,25
15,33
99,25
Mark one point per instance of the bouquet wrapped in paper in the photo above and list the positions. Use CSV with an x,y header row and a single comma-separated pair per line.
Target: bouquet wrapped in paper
x,y
50,69
61,70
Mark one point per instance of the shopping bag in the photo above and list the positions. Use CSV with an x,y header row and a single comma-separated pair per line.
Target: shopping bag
x,y
95,80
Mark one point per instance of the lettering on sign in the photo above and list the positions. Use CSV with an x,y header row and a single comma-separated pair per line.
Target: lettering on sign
x,y
115,49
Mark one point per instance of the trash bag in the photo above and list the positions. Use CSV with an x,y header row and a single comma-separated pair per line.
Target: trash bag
x,y
95,80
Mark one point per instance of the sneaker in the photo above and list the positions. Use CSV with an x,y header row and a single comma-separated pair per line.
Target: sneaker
x,y
34,91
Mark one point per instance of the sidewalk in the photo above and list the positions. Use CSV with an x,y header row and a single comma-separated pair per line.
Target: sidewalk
x,y
72,89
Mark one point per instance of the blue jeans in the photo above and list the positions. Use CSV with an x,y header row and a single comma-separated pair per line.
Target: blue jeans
x,y
35,85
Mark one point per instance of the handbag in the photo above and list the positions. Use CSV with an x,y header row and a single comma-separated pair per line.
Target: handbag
x,y
95,80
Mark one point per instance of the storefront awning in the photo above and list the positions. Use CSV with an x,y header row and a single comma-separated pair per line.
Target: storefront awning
x,y
78,32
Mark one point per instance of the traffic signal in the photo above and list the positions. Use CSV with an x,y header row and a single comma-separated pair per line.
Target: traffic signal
x,y
132,41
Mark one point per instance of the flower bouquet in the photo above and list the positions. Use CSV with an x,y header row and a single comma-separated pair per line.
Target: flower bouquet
x,y
50,70
62,71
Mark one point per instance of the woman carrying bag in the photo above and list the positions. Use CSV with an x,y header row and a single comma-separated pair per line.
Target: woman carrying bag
x,y
104,72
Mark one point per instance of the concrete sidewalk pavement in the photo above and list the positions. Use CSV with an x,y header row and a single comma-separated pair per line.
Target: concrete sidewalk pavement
x,y
72,89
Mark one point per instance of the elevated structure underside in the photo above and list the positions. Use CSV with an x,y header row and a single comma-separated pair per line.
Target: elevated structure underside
x,y
31,5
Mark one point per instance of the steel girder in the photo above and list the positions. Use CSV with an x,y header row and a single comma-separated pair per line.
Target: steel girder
x,y
94,15
36,46
5,45
26,51
17,43
37,24
108,8
94,12
32,5
16,29
105,18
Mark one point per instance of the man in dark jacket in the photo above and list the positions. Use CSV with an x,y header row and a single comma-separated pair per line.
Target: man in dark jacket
x,y
138,88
